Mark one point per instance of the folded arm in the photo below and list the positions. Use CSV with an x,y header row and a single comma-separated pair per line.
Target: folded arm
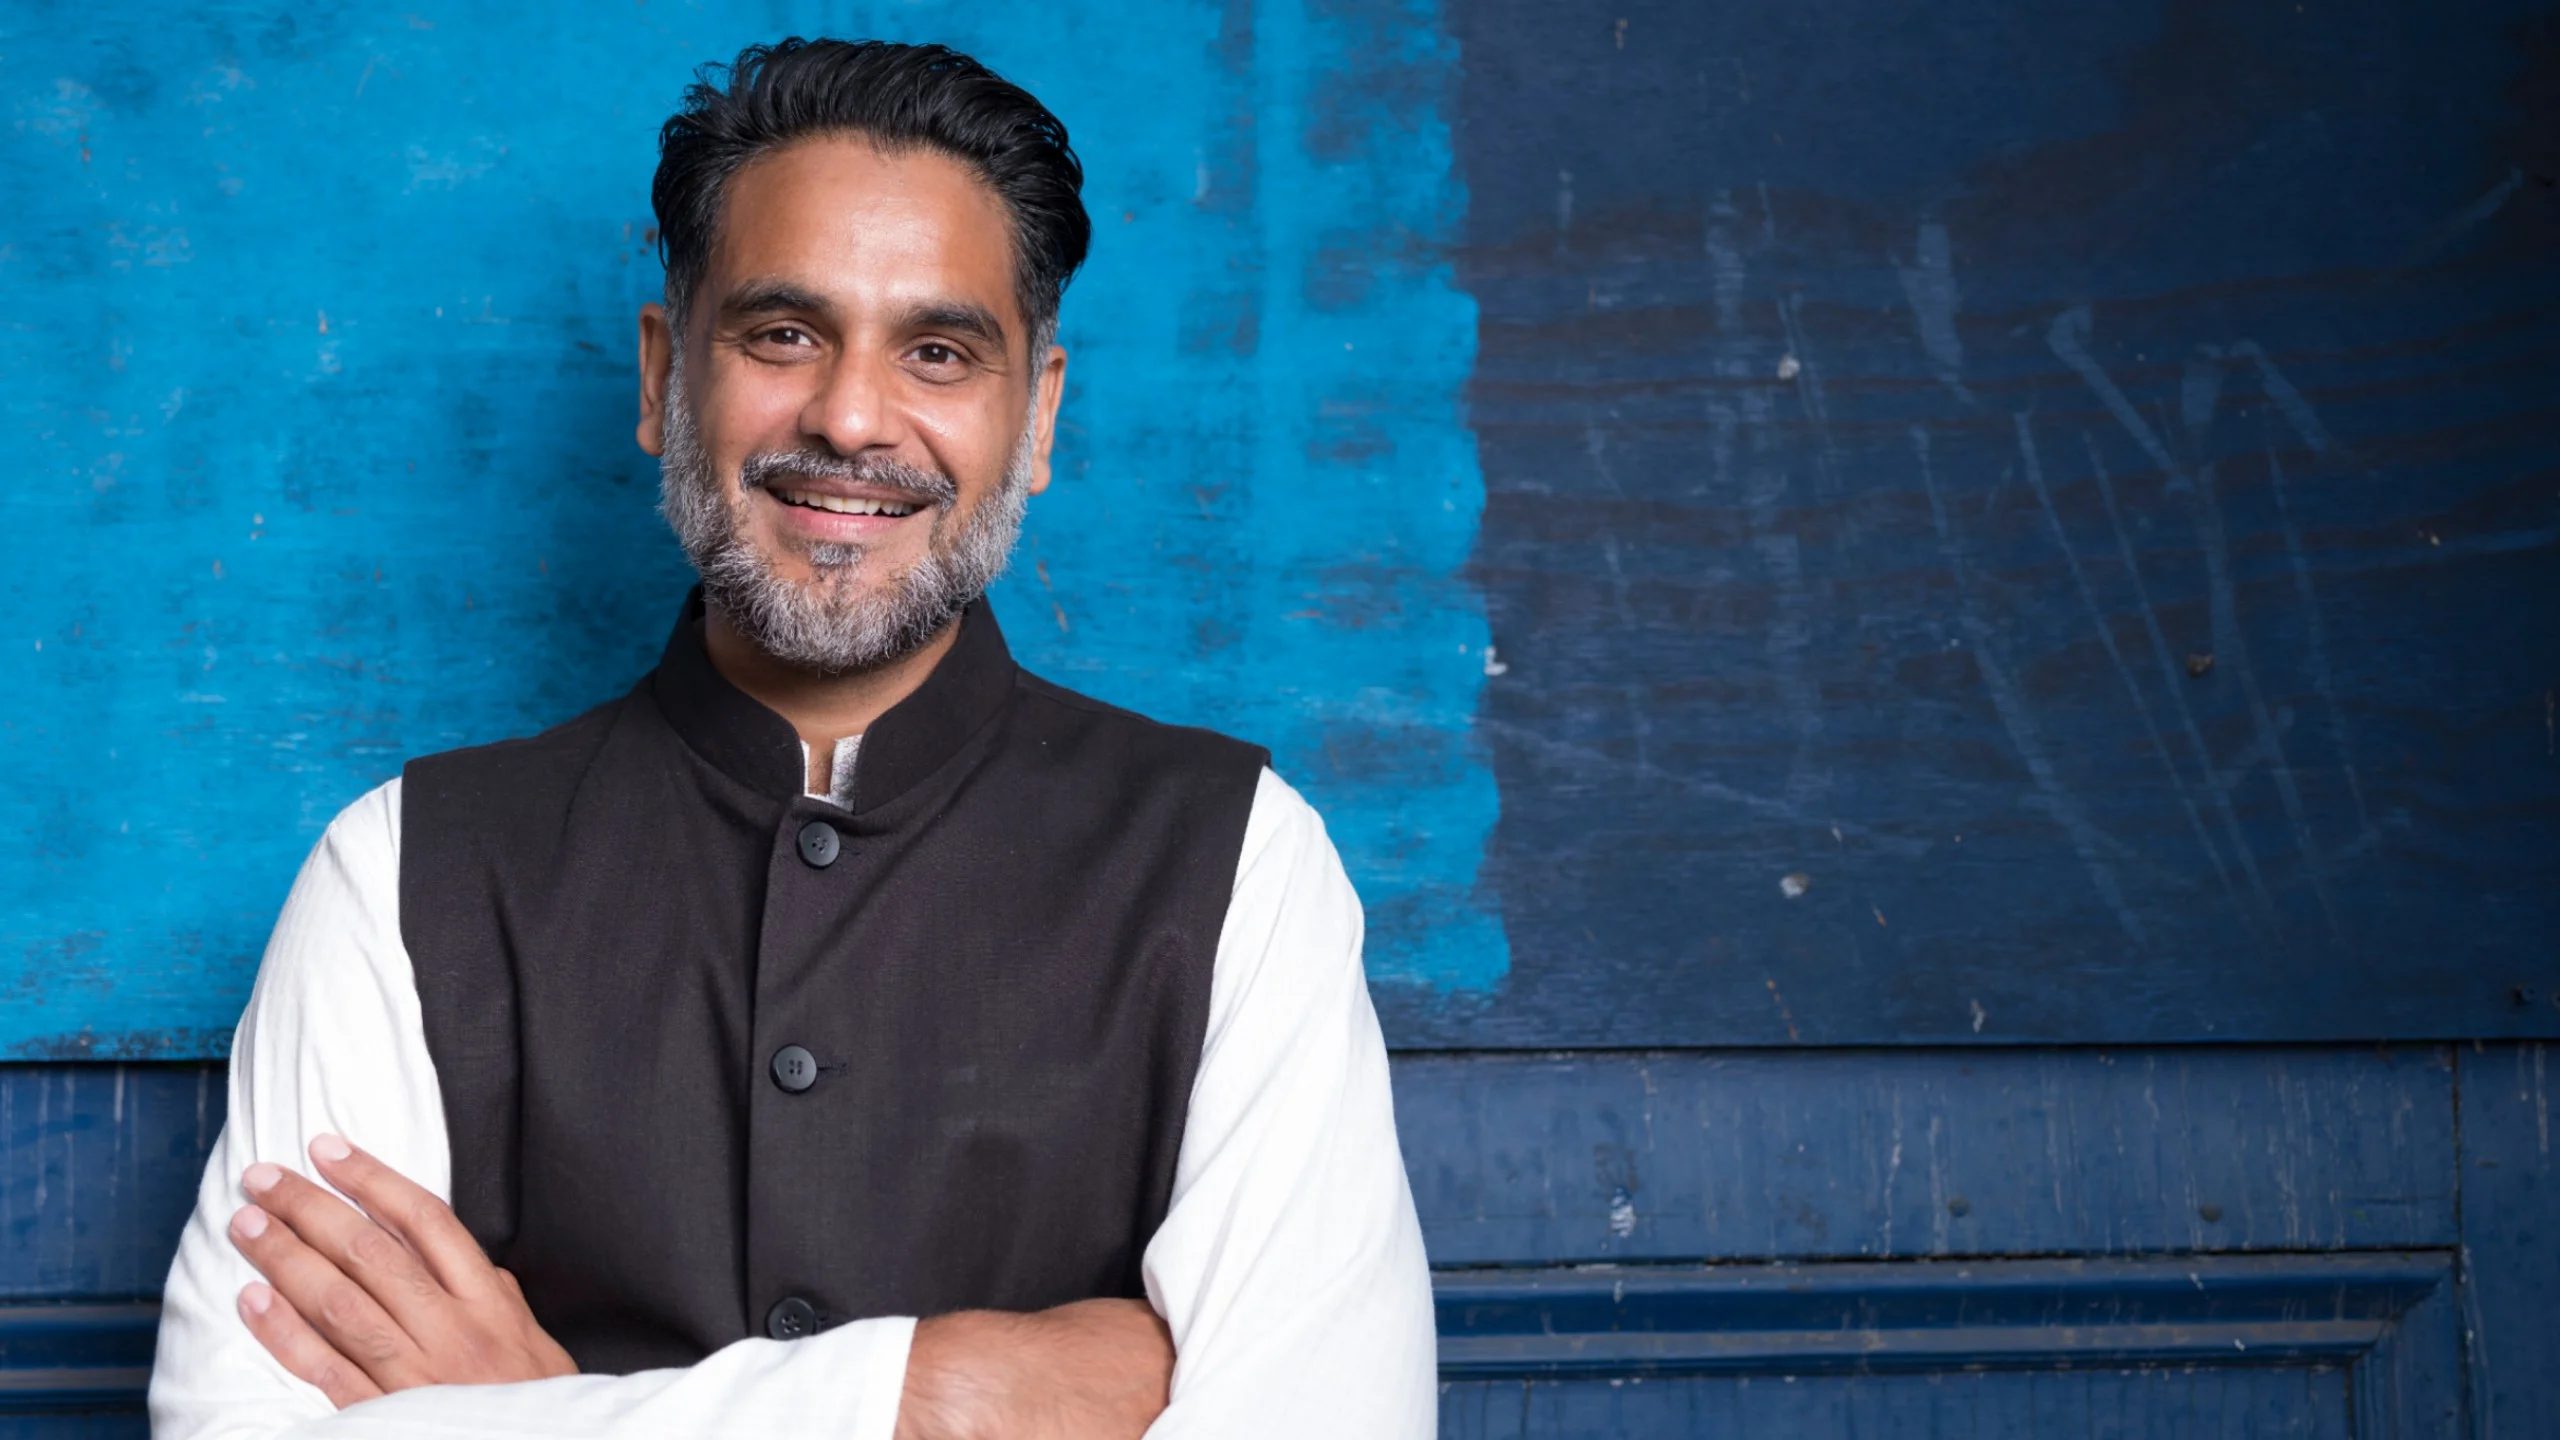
x,y
331,1044
1288,1274
1290,1266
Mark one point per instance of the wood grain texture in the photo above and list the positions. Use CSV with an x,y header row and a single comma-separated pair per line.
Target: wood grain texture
x,y
98,1170
2014,523
2511,1237
1634,1157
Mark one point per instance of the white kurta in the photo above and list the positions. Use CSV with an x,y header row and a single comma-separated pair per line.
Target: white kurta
x,y
1289,1265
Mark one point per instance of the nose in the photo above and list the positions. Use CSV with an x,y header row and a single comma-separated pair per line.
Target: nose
x,y
854,407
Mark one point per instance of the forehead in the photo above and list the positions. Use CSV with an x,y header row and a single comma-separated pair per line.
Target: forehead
x,y
864,225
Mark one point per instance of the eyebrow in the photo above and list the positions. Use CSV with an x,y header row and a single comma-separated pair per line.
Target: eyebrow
x,y
768,297
976,322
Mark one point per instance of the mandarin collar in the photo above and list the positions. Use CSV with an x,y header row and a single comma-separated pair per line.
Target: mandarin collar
x,y
758,748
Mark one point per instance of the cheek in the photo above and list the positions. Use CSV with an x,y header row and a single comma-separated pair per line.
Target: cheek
x,y
972,443
751,409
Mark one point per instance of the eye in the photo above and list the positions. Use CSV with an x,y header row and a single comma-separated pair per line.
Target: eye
x,y
937,354
789,335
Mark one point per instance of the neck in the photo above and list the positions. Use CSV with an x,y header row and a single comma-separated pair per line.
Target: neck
x,y
822,708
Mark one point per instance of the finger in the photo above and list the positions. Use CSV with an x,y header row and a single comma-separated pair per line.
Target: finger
x,y
365,1252
409,1210
342,1311
301,1350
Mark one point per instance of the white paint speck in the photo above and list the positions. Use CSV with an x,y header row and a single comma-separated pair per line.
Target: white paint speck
x,y
1789,367
1493,665
1622,1214
1979,1015
1793,886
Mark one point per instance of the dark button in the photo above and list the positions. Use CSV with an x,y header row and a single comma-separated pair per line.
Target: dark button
x,y
818,844
790,1318
794,1068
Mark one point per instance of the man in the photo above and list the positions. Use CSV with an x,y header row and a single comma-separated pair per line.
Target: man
x,y
844,1032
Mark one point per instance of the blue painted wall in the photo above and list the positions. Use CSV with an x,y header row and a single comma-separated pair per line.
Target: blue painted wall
x,y
2010,540
2071,486
321,375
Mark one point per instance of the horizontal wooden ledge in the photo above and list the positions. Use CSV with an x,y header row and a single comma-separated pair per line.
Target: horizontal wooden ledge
x,y
1597,1321
1594,1321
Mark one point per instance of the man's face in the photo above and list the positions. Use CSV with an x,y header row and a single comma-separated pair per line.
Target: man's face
x,y
855,418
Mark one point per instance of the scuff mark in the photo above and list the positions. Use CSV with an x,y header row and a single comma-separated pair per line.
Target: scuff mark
x,y
1930,285
2297,412
1784,1014
2124,673
2468,218
2010,704
2316,631
1765,489
1622,1213
2067,338
2222,596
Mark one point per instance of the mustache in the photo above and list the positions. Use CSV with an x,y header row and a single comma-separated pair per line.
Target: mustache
x,y
768,468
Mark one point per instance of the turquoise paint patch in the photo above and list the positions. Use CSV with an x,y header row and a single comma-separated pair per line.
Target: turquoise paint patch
x,y
321,397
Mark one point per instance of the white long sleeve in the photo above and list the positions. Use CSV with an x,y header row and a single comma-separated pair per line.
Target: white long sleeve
x,y
332,1041
1289,1266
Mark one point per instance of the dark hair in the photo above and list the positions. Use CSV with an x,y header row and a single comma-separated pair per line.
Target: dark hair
x,y
900,96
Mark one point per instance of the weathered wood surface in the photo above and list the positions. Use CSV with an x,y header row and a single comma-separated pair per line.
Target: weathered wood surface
x,y
2511,1236
1629,1158
1881,411
2288,1240
2077,486
321,395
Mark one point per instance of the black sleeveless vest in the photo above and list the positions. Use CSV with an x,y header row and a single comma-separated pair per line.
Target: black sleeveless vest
x,y
997,965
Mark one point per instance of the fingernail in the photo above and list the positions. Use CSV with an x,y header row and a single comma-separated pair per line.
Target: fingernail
x,y
260,1176
256,1299
251,1222
330,1147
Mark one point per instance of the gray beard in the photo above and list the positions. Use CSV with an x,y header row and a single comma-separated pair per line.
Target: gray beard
x,y
831,623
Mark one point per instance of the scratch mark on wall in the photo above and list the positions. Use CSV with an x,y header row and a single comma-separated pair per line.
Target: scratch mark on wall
x,y
2316,631
1892,1168
2124,673
1639,722
1929,283
1764,484
2015,717
2067,337
2201,396
2297,411
1798,366
1883,841
1785,1016
2469,218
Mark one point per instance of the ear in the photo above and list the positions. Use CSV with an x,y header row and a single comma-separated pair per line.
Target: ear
x,y
1052,386
657,359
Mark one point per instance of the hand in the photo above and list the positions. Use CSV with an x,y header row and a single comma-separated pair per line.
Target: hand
x,y
1094,1370
361,1303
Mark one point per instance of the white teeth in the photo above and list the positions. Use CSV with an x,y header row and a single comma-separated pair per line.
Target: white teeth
x,y
846,504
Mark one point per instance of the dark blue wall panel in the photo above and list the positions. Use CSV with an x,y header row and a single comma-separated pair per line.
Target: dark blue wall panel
x,y
2017,522
2195,1241
2511,1235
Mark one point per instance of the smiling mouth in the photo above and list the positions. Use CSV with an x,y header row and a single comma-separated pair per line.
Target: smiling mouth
x,y
845,504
